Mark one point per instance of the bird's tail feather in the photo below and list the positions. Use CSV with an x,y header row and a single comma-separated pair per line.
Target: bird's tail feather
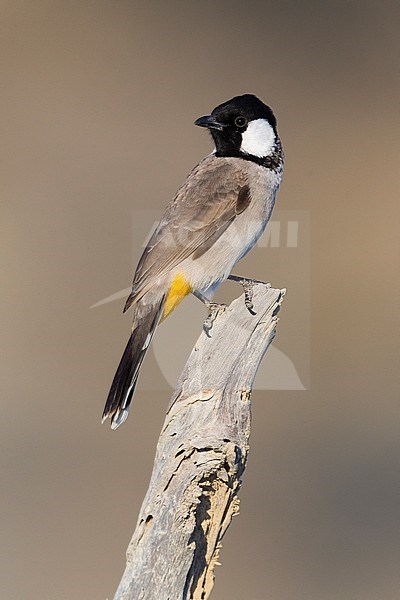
x,y
125,379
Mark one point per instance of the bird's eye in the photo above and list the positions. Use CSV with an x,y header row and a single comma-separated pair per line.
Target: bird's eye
x,y
240,121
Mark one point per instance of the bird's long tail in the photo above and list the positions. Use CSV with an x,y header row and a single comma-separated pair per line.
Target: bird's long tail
x,y
125,379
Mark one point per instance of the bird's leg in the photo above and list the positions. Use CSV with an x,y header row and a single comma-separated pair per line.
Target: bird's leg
x,y
213,309
248,285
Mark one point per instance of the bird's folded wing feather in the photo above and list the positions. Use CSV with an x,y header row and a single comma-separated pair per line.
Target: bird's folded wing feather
x,y
202,209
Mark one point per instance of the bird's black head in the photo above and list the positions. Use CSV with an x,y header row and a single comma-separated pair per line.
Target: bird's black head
x,y
244,127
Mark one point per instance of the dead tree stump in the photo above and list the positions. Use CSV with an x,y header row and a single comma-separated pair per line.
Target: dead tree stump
x,y
201,455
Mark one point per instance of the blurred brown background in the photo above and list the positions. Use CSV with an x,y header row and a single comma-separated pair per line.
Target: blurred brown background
x,y
97,104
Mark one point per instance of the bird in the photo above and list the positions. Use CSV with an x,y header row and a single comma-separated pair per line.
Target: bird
x,y
214,219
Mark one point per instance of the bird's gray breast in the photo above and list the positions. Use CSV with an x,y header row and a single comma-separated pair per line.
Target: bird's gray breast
x,y
249,226
216,264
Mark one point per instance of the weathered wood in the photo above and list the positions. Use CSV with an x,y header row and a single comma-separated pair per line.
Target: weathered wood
x,y
201,455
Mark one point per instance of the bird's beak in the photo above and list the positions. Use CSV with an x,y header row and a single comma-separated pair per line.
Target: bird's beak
x,y
210,122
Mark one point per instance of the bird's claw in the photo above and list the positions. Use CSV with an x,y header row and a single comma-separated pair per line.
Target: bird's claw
x,y
248,286
214,309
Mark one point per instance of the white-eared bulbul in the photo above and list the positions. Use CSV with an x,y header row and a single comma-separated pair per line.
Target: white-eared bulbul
x,y
215,218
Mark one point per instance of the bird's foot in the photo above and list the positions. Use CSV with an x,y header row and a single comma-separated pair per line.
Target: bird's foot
x,y
213,311
248,287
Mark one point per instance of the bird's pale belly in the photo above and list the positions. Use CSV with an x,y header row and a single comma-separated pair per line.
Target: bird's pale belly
x,y
216,264
204,273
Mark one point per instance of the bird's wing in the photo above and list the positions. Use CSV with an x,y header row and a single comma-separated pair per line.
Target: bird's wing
x,y
202,209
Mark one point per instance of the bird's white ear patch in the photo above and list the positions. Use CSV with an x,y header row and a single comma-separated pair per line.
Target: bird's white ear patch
x,y
258,139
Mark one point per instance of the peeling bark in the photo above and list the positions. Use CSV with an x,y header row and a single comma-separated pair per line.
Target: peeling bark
x,y
200,458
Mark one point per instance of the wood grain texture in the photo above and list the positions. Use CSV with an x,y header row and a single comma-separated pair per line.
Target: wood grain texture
x,y
200,458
